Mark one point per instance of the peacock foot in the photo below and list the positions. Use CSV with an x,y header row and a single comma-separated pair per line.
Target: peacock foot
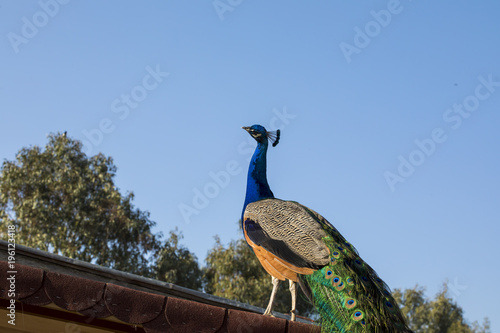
x,y
268,313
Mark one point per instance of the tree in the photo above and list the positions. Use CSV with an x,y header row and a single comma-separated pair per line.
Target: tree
x,y
440,315
236,273
177,265
61,200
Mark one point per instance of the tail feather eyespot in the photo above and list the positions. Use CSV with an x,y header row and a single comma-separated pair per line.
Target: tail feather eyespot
x,y
340,287
350,303
365,280
358,315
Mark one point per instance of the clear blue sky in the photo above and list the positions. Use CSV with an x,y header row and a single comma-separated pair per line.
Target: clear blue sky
x,y
388,112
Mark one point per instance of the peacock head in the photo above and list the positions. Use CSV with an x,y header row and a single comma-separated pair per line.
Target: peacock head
x,y
261,135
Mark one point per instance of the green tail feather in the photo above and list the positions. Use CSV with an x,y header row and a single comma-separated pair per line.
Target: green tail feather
x,y
348,293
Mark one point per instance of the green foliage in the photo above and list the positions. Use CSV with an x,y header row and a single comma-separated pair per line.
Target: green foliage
x,y
440,315
236,273
177,265
62,201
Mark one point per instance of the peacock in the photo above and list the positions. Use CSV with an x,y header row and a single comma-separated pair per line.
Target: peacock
x,y
293,242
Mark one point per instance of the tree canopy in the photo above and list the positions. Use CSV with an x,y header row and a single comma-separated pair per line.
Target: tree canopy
x,y
176,264
439,315
63,201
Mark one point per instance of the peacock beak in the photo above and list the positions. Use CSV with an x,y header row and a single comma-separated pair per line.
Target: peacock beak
x,y
246,128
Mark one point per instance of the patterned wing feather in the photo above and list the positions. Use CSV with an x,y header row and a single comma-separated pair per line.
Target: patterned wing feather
x,y
287,230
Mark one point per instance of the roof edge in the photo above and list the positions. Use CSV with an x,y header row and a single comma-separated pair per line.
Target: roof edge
x,y
57,263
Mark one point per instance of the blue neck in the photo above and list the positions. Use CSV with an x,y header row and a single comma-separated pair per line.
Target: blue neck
x,y
257,186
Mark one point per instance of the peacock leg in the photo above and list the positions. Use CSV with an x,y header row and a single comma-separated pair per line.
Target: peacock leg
x,y
293,291
269,308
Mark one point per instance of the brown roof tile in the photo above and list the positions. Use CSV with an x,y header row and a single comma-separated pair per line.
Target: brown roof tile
x,y
157,325
241,321
32,276
39,298
99,310
133,306
186,316
296,327
31,291
73,293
